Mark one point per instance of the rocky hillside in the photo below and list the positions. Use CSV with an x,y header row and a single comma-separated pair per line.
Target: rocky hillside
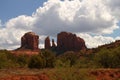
x,y
112,45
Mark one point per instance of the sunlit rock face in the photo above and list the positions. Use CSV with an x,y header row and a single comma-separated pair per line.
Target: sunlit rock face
x,y
47,43
30,41
70,42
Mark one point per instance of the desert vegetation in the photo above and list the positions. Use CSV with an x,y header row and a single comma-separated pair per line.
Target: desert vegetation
x,y
104,58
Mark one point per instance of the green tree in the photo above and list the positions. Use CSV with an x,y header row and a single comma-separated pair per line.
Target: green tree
x,y
108,58
36,61
61,64
69,56
49,57
22,60
7,59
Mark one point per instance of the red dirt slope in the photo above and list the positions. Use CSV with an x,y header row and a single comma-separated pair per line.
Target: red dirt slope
x,y
27,77
110,74
97,74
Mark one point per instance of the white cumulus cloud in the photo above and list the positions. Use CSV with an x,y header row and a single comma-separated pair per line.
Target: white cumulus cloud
x,y
95,41
74,16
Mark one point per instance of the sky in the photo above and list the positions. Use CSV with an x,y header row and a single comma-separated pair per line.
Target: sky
x,y
96,21
13,8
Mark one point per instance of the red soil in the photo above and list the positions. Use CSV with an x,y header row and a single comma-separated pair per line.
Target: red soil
x,y
106,74
26,52
27,77
100,74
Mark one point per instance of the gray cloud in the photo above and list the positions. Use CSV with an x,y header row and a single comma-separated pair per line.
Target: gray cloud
x,y
114,6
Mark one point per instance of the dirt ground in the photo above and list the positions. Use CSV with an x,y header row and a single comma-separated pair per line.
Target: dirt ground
x,y
26,77
99,74
106,74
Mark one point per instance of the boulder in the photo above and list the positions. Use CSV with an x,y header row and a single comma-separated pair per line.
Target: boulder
x,y
47,43
30,41
70,42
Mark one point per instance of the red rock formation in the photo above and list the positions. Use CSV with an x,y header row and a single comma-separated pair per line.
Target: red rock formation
x,y
70,42
30,41
53,43
47,43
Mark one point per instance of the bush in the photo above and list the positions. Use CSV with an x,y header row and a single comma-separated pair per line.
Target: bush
x,y
61,64
70,74
36,61
116,58
7,60
108,58
69,56
84,62
22,60
49,57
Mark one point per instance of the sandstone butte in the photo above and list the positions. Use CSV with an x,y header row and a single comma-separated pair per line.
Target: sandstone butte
x,y
30,41
66,41
29,44
70,42
47,43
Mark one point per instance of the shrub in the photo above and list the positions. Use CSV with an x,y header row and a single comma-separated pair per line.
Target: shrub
x,y
7,60
49,57
115,58
22,60
108,58
61,64
69,56
36,61
84,62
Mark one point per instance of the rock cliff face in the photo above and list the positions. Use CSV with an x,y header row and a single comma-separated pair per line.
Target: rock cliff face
x,y
47,43
30,41
53,43
70,42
